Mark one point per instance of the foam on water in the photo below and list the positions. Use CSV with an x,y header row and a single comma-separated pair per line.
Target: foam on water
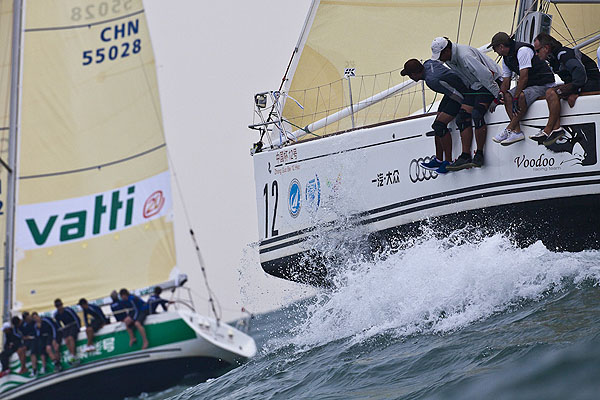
x,y
438,286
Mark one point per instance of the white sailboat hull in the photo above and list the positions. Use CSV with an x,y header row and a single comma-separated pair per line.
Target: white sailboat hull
x,y
369,179
207,350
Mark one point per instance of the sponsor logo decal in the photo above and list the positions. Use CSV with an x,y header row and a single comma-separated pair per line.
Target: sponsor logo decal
x,y
154,204
81,218
294,198
389,178
313,194
416,173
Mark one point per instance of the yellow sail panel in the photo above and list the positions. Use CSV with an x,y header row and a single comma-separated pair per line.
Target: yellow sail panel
x,y
90,94
131,258
376,38
578,23
94,203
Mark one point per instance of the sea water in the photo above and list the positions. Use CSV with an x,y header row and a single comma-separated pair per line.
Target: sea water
x,y
441,318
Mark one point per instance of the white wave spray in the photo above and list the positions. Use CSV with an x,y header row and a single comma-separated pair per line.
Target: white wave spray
x,y
437,286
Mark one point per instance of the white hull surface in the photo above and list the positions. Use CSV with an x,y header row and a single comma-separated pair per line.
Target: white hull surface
x,y
181,343
370,179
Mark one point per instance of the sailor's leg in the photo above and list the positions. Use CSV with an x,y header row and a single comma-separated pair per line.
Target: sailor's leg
x,y
70,342
553,111
508,101
480,126
142,331
21,353
516,118
89,332
443,141
129,324
463,121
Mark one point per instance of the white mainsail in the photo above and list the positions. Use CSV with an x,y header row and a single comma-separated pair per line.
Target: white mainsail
x,y
94,209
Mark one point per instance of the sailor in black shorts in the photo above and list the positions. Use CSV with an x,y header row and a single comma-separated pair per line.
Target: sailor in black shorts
x,y
49,337
440,79
30,338
97,322
71,324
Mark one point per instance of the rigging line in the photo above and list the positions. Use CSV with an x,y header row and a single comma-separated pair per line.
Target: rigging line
x,y
561,35
211,294
58,28
99,166
512,25
459,19
474,22
564,22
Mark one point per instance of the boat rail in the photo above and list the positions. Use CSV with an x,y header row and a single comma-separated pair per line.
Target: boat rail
x,y
279,131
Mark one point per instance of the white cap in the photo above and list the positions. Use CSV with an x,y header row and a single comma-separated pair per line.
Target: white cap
x,y
6,325
438,44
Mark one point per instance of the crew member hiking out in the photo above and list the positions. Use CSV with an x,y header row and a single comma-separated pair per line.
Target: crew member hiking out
x,y
30,339
98,320
136,318
12,344
535,77
49,338
440,79
480,73
155,300
71,323
579,74
117,307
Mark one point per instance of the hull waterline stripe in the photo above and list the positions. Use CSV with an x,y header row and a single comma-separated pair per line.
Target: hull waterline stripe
x,y
74,171
435,196
59,28
443,203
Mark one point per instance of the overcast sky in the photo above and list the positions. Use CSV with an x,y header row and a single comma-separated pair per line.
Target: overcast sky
x,y
211,59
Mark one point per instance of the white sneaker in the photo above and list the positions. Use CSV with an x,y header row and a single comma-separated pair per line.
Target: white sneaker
x,y
514,137
502,136
539,134
89,348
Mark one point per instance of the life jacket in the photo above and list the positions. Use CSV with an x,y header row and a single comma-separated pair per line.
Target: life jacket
x,y
539,73
559,57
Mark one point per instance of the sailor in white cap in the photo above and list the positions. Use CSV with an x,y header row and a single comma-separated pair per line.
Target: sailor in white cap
x,y
480,73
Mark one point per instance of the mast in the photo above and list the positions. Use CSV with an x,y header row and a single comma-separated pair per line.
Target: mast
x,y
12,157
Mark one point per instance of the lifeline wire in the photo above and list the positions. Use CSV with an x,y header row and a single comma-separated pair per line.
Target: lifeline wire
x,y
211,294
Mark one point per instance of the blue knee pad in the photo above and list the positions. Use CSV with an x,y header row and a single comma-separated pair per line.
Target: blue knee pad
x,y
478,116
463,120
440,128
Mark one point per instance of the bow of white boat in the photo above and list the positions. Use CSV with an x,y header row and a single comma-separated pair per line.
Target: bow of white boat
x,y
234,344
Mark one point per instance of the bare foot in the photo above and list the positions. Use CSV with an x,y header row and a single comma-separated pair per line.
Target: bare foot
x,y
144,345
132,342
23,371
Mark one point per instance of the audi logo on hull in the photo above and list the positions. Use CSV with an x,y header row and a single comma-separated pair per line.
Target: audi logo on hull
x,y
416,173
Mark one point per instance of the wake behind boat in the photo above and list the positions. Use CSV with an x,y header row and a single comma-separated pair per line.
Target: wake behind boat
x,y
341,154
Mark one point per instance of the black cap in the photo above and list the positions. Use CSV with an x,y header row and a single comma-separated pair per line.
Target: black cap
x,y
499,38
412,66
